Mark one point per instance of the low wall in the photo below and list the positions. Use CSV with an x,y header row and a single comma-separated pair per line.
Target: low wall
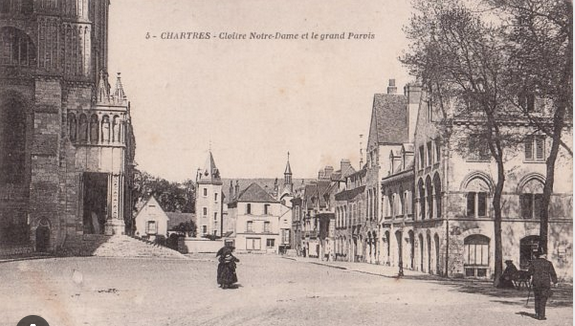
x,y
194,245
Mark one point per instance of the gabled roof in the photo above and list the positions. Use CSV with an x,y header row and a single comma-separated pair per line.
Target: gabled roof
x,y
254,193
390,118
151,202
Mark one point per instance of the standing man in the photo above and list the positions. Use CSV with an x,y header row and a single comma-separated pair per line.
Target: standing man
x,y
542,275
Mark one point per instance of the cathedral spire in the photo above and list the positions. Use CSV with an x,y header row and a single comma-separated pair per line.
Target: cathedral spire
x,y
288,173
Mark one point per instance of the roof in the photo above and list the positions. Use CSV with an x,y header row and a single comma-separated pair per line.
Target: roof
x,y
391,120
175,218
266,183
288,168
210,173
349,194
254,193
151,202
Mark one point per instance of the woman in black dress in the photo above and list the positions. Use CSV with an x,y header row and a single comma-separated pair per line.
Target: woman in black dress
x,y
227,267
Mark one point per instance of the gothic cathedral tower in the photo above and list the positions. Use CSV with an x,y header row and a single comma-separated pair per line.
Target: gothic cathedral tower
x,y
209,201
66,141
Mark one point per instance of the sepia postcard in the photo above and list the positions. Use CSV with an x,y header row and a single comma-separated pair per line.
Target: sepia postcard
x,y
273,162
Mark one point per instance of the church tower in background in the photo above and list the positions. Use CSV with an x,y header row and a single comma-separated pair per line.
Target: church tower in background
x,y
209,199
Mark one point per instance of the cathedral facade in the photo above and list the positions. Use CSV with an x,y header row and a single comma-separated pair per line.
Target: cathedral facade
x,y
66,142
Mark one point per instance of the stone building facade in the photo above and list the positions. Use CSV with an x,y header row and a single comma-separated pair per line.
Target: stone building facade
x,y
437,211
66,141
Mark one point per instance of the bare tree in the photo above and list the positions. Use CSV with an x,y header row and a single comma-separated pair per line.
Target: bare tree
x,y
540,50
461,61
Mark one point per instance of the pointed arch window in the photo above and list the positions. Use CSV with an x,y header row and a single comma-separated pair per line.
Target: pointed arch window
x,y
12,140
16,48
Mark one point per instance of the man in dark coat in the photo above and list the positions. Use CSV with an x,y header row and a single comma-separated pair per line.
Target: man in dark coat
x,y
506,279
542,275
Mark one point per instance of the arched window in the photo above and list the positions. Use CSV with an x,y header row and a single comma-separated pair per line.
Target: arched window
x,y
421,199
476,255
72,126
12,140
16,48
94,128
429,188
530,199
437,189
477,198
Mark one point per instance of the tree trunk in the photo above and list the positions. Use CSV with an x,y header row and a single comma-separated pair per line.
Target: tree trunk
x,y
558,124
497,220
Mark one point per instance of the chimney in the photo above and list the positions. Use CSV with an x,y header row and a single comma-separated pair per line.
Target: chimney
x,y
413,93
344,166
237,189
391,89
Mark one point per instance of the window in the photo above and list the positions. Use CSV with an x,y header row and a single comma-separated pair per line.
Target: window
x,y
12,140
248,208
270,243
535,148
151,227
16,47
253,244
205,192
527,101
478,149
429,154
476,204
437,151
476,255
421,157
4,6
205,211
215,216
250,226
285,236
266,209
204,229
477,197
530,199
266,227
216,197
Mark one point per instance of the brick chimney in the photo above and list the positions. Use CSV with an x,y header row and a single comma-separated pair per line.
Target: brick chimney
x,y
344,166
391,89
413,93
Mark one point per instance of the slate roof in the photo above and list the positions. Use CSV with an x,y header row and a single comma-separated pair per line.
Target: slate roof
x,y
254,193
349,194
390,112
210,173
266,183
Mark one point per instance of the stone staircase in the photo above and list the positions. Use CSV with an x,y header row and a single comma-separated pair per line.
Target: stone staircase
x,y
128,247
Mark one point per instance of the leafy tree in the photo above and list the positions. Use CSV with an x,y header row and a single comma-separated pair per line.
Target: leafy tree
x,y
172,196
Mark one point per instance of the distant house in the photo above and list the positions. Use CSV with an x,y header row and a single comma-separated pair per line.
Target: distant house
x,y
151,220
257,218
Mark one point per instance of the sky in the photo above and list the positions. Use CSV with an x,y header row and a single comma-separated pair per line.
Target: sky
x,y
253,100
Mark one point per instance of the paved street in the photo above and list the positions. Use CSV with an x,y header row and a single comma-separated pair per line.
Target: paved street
x,y
273,291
